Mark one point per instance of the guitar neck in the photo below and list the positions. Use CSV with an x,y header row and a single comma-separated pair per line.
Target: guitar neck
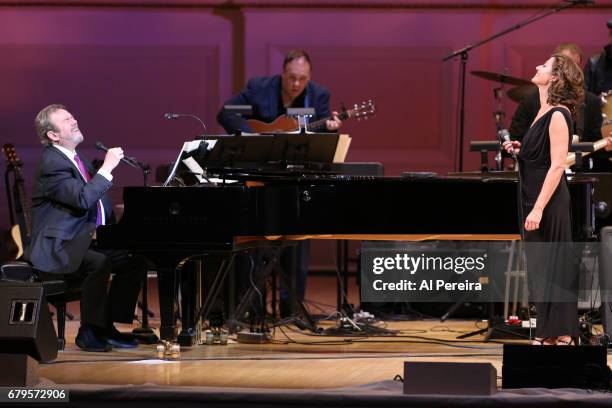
x,y
23,201
322,123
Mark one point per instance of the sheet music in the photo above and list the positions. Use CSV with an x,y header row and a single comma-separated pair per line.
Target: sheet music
x,y
176,162
188,146
195,168
193,165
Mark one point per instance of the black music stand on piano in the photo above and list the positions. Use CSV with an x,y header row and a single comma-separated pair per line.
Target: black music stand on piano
x,y
232,151
304,148
253,151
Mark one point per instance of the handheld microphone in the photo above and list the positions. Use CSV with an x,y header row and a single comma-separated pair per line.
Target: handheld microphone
x,y
580,1
171,115
126,159
504,135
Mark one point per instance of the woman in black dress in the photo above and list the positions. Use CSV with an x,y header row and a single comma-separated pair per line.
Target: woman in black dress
x,y
545,199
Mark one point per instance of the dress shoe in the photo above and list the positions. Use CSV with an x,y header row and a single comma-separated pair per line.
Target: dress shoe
x,y
544,341
567,341
87,341
121,340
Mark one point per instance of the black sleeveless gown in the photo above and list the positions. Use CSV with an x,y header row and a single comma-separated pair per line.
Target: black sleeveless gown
x,y
552,268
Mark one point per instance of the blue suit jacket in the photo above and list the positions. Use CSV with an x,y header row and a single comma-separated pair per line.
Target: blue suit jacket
x,y
263,94
63,213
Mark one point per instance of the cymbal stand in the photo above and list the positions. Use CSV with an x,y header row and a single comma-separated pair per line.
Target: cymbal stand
x,y
499,116
144,333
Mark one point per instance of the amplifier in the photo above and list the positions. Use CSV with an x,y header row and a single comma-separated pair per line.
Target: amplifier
x,y
527,366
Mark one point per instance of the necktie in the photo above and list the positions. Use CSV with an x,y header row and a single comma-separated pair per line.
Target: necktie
x,y
85,174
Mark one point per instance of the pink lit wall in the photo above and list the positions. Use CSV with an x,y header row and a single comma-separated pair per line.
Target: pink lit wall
x,y
119,65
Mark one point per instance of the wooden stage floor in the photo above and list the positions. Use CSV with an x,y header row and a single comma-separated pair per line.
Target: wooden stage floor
x,y
296,360
308,361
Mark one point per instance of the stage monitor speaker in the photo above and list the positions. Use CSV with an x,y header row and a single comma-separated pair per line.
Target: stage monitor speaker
x,y
25,322
18,370
432,377
527,366
605,279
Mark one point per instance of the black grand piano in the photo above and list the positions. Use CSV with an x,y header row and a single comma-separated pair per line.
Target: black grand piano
x,y
170,224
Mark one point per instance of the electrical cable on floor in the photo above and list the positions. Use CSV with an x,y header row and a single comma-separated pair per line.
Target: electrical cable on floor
x,y
438,342
314,343
403,339
372,338
445,329
413,331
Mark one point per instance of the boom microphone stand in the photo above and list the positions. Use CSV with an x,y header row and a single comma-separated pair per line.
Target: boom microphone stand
x,y
144,333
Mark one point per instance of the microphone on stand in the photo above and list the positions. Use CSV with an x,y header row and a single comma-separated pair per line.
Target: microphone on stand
x,y
126,159
504,136
171,115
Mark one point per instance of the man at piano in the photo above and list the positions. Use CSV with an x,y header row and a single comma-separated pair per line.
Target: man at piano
x,y
271,96
589,122
68,202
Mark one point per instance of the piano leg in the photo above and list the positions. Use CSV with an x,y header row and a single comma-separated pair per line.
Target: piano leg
x,y
167,302
190,275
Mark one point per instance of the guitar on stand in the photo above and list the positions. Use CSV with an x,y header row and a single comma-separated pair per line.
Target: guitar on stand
x,y
19,205
285,123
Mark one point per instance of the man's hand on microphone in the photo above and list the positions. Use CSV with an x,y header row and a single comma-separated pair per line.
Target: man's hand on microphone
x,y
112,159
513,144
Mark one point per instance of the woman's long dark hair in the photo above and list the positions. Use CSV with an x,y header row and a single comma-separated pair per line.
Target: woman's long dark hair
x,y
567,88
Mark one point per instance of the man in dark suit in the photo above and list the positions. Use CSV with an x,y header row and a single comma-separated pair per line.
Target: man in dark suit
x,y
68,203
271,96
598,69
588,124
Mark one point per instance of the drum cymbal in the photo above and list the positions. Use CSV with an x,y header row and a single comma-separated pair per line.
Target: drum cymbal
x,y
519,92
502,78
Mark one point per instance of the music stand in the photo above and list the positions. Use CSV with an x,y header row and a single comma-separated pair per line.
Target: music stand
x,y
301,114
239,111
484,147
311,147
229,150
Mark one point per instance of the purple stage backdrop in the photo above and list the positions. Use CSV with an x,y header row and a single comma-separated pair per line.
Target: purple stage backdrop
x,y
120,65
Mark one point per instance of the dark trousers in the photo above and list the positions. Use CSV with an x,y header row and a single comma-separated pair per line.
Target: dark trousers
x,y
294,261
101,306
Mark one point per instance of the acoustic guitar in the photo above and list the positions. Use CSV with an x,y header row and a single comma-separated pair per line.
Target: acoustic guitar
x,y
22,206
288,124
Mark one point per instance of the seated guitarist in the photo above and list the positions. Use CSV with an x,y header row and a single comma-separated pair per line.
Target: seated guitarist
x,y
271,96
